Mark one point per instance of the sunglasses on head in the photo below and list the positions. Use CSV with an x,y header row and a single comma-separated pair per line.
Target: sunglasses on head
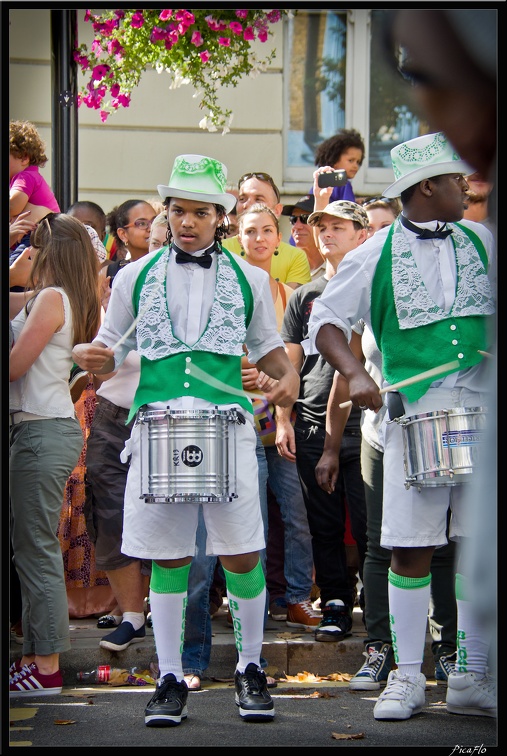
x,y
303,218
384,200
262,177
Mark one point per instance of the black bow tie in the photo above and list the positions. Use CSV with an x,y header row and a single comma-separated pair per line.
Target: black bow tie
x,y
203,260
425,233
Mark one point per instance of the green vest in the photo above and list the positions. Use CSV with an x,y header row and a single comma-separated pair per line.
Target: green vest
x,y
171,376
407,352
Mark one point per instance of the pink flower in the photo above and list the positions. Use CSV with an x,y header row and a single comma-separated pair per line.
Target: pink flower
x,y
242,13
262,35
104,115
93,99
205,56
88,13
99,72
215,25
273,16
157,34
137,20
105,28
115,90
81,60
122,100
236,27
197,39
96,47
173,36
248,34
165,15
225,41
185,16
114,47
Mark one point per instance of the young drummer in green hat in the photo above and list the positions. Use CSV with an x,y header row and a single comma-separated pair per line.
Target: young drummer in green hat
x,y
196,305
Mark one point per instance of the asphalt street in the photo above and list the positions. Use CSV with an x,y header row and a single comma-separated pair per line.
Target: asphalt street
x,y
323,714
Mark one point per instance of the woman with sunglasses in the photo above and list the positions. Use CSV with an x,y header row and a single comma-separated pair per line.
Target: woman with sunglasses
x,y
61,308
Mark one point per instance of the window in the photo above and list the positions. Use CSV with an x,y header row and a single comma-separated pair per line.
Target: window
x,y
338,76
316,94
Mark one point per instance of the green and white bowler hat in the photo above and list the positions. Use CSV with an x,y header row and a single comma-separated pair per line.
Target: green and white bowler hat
x,y
198,178
422,158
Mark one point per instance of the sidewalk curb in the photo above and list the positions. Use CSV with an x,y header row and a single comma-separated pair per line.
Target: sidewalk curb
x,y
287,651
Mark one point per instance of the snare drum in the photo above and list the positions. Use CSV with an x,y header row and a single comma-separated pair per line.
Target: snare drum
x,y
441,448
186,455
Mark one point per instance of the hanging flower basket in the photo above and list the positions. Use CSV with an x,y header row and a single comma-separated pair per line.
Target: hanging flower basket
x,y
208,49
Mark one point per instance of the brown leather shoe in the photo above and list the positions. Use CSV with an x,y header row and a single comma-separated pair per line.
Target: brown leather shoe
x,y
303,615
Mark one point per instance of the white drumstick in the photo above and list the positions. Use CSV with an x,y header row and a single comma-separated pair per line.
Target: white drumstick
x,y
454,365
486,354
211,381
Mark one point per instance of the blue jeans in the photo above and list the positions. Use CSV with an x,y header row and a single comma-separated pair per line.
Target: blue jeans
x,y
284,481
197,639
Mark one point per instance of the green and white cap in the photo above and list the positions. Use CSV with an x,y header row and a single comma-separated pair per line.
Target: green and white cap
x,y
198,178
422,158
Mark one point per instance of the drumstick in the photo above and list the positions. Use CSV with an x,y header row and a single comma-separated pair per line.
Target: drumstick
x,y
454,365
211,381
486,354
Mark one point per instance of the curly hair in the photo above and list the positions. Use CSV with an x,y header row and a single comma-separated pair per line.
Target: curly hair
x,y
25,141
330,150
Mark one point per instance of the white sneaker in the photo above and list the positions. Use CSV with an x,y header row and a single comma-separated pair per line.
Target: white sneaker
x,y
402,696
471,694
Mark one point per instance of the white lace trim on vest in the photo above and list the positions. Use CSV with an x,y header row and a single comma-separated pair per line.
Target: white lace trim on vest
x,y
225,332
414,305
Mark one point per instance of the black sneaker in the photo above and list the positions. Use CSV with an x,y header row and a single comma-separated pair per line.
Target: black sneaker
x,y
122,637
444,666
336,622
252,694
168,705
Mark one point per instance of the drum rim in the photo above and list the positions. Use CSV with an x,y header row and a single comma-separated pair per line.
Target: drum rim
x,y
436,414
185,413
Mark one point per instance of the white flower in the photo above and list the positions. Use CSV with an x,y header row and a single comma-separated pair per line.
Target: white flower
x,y
203,123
